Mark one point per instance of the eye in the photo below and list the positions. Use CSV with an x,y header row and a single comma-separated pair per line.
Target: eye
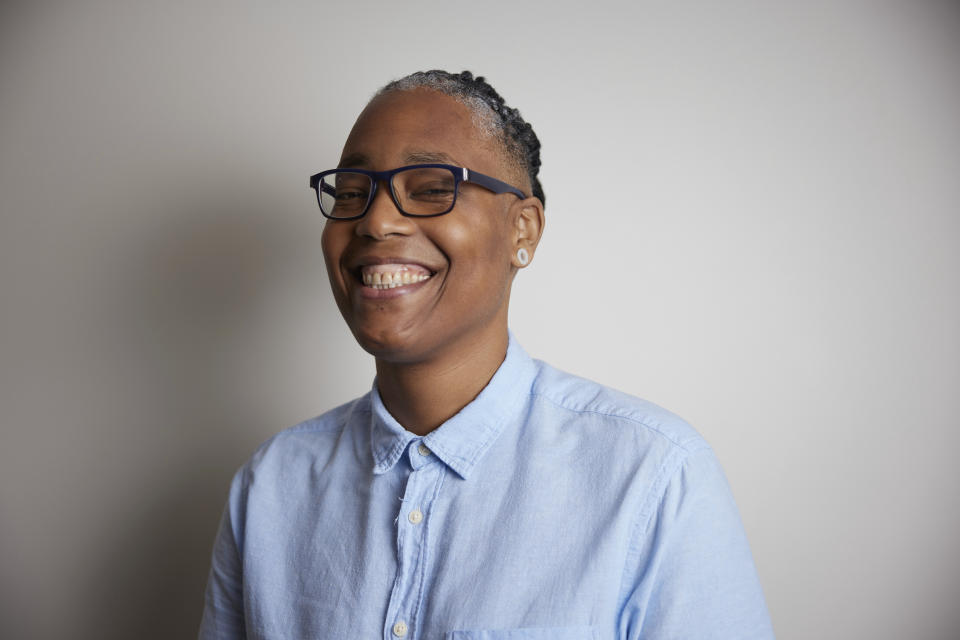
x,y
351,190
431,190
348,195
439,192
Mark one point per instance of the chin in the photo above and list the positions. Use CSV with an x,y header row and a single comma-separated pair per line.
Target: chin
x,y
388,345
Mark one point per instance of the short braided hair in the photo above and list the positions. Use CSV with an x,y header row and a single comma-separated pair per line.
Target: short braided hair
x,y
491,115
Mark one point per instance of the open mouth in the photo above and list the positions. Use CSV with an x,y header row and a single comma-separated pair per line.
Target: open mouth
x,y
391,276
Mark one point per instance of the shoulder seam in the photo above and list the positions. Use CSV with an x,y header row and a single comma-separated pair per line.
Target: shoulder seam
x,y
652,426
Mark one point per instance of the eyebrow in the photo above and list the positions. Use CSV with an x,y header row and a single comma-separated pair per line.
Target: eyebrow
x,y
428,157
360,160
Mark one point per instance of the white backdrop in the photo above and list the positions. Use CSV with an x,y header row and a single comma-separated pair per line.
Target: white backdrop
x,y
770,250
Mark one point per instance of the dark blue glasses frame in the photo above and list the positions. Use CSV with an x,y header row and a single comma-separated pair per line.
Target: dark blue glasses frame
x,y
460,174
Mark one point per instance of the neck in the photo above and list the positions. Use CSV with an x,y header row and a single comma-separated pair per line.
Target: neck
x,y
421,396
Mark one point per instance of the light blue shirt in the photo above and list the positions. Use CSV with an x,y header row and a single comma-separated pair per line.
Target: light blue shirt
x,y
549,508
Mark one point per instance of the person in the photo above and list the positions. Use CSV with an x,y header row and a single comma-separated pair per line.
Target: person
x,y
474,493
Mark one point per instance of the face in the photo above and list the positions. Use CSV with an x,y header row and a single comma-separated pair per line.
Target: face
x,y
411,288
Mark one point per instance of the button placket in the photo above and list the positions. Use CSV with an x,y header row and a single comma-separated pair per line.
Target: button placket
x,y
423,484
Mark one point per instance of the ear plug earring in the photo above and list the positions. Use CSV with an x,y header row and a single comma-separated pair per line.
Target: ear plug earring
x,y
523,257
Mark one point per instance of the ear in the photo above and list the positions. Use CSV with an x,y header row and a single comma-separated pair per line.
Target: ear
x,y
528,222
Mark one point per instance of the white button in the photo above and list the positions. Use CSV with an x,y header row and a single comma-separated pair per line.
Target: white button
x,y
415,516
423,450
400,629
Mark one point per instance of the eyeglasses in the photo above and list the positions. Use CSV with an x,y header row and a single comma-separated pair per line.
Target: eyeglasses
x,y
418,190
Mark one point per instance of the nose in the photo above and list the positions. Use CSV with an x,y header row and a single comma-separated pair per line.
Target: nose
x,y
383,218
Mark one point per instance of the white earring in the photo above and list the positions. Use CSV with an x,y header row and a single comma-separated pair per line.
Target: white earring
x,y
523,257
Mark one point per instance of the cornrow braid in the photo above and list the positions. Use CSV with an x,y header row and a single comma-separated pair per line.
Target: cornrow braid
x,y
490,111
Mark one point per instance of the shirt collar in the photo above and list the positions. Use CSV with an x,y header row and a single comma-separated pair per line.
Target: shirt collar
x,y
461,441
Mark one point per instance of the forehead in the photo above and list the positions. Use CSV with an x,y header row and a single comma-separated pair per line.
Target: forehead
x,y
401,126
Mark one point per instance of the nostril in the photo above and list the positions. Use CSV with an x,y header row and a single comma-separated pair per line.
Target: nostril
x,y
383,218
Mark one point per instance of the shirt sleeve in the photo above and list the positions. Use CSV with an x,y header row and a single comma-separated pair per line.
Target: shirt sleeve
x,y
692,572
223,614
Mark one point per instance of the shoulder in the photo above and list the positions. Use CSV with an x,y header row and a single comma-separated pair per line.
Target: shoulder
x,y
309,441
657,461
592,403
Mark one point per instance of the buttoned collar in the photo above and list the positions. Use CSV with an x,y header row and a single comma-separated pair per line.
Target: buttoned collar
x,y
463,440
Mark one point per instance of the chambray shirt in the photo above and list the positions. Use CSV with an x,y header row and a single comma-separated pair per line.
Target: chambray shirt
x,y
549,508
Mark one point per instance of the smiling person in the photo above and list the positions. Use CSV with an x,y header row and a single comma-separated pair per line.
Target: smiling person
x,y
474,493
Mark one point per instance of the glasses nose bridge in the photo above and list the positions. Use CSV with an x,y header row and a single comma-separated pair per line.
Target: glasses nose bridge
x,y
381,220
383,179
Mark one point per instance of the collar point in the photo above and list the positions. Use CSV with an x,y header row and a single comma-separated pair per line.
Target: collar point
x,y
461,470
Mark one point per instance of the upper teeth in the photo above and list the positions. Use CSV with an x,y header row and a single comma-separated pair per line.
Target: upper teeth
x,y
389,280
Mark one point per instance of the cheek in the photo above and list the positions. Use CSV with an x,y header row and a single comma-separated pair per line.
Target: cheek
x,y
333,242
480,252
330,243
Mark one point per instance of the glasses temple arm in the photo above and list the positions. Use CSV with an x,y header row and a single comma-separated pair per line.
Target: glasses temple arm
x,y
497,186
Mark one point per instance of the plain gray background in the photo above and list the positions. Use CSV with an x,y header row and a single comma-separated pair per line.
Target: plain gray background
x,y
753,221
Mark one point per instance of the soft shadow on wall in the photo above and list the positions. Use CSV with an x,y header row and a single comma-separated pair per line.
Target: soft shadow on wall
x,y
209,301
173,342
165,305
194,302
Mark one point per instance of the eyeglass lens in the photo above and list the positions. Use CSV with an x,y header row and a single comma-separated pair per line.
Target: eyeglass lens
x,y
418,192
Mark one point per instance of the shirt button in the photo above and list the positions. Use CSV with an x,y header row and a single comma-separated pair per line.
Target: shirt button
x,y
422,448
400,629
415,516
